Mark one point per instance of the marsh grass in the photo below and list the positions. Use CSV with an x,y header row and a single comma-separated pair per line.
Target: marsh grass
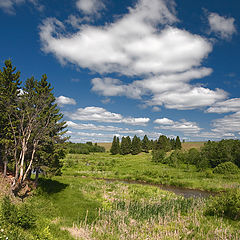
x,y
141,168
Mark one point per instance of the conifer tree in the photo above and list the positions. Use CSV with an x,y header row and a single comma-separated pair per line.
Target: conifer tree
x,y
163,143
128,145
178,143
115,146
136,145
123,147
145,144
33,119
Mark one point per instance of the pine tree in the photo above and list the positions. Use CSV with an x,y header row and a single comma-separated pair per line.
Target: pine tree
x,y
178,143
128,145
145,144
115,146
33,121
9,91
123,147
136,145
163,143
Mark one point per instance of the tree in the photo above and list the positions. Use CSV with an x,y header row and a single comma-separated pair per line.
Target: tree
x,y
9,92
163,143
33,120
115,149
178,143
128,145
136,145
145,144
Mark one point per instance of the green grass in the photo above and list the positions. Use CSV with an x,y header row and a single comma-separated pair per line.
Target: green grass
x,y
76,205
141,168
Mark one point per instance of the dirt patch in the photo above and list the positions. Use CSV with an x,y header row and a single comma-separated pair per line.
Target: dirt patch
x,y
78,233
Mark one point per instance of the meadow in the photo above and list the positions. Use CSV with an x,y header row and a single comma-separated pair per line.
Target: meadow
x,y
141,168
77,205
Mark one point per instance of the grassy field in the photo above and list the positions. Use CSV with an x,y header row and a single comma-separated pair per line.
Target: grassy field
x,y
78,206
185,146
69,207
141,168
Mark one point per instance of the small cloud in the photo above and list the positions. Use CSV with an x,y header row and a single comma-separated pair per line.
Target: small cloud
x,y
164,121
230,105
106,100
99,114
156,109
8,6
75,80
89,6
222,26
182,126
65,101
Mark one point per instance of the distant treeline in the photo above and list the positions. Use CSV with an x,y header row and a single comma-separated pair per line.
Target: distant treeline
x,y
222,156
136,145
83,148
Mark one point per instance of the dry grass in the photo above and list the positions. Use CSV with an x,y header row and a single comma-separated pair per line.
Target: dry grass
x,y
107,146
189,145
185,146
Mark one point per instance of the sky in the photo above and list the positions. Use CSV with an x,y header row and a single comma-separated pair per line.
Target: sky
x,y
133,67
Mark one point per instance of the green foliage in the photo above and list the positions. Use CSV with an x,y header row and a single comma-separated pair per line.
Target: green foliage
x,y
158,156
167,207
226,204
81,148
125,146
226,168
178,143
176,158
145,144
223,151
115,148
136,145
193,156
163,143
21,215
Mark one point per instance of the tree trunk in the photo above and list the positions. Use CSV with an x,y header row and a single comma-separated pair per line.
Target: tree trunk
x,y
5,168
37,175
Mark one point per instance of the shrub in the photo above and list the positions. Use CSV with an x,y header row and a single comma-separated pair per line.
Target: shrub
x,y
203,164
177,157
226,168
226,204
158,156
21,216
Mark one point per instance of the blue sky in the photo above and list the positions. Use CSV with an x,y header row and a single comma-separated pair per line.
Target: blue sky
x,y
132,67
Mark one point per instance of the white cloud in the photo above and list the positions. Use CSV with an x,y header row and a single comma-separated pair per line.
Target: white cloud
x,y
131,45
89,6
62,100
92,127
141,43
230,105
222,26
227,124
156,109
102,115
9,5
182,126
164,121
172,90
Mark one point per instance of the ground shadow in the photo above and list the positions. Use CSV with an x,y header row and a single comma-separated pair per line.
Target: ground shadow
x,y
50,186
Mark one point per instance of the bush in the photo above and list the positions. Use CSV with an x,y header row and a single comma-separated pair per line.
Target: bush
x,y
158,156
176,158
226,168
21,216
226,204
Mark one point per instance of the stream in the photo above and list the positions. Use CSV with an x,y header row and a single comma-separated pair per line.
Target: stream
x,y
185,192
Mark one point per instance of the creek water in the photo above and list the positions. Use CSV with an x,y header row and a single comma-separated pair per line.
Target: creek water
x,y
185,192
